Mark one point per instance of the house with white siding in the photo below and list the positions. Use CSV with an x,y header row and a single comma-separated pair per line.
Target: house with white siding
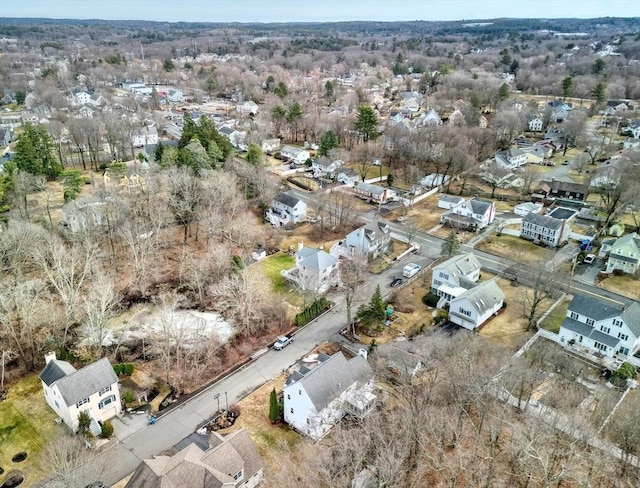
x,y
543,229
316,397
286,209
602,327
454,276
475,306
624,254
315,270
472,214
296,155
93,389
367,242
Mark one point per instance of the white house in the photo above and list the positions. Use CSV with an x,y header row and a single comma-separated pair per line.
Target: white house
x,y
317,397
93,389
449,201
81,97
633,129
526,208
144,136
432,180
236,137
601,327
475,306
368,241
175,96
430,118
624,254
348,177
270,145
215,461
315,270
324,166
286,209
511,158
473,214
544,229
295,154
454,276
559,110
249,108
536,124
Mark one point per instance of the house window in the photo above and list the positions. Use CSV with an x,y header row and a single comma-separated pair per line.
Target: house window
x,y
465,312
590,322
574,316
606,330
291,410
623,337
288,397
82,402
106,401
624,350
299,392
56,402
444,275
437,282
238,476
599,346
104,390
617,322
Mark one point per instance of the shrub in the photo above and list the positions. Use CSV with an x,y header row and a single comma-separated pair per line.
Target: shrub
x,y
312,311
117,368
128,396
504,304
430,299
84,421
626,371
128,369
107,429
440,317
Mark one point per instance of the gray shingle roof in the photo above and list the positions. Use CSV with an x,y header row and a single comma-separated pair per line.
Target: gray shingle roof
x,y
319,260
286,199
483,296
461,266
480,205
543,221
590,332
451,198
54,370
592,308
329,379
369,188
86,381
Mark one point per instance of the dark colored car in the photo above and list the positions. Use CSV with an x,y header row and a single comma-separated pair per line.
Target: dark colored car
x,y
396,282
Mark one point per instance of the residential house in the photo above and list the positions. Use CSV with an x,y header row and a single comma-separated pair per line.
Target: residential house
x,y
369,241
29,117
80,97
535,153
5,137
10,120
483,123
544,229
87,212
248,108
317,397
475,306
296,155
144,136
405,365
449,201
230,461
473,214
93,389
633,129
348,177
602,327
429,118
175,96
97,100
561,189
374,193
555,135
315,270
511,180
454,276
411,102
559,110
236,137
618,106
286,209
84,112
456,118
526,208
323,166
535,124
511,158
270,145
433,180
624,254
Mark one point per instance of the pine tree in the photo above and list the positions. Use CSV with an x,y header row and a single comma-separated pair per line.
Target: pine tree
x,y
567,87
274,409
367,123
254,154
451,245
374,313
34,153
328,141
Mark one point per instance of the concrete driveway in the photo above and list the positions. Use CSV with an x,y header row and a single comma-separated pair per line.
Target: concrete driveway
x,y
587,273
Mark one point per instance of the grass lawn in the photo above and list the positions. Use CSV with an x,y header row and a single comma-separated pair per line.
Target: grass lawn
x,y
372,171
514,248
510,327
26,423
270,268
626,285
556,316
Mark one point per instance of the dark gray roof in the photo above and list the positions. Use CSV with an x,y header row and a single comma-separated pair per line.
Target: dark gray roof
x,y
286,199
330,378
592,308
543,221
86,381
631,317
621,257
54,370
480,205
483,296
587,331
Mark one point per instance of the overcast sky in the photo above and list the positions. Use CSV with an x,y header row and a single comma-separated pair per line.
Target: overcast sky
x,y
315,11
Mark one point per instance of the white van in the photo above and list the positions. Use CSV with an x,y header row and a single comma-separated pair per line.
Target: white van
x,y
410,270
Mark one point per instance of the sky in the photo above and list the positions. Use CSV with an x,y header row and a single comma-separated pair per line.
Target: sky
x,y
315,11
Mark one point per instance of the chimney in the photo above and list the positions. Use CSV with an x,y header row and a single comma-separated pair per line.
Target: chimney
x,y
50,356
363,352
300,246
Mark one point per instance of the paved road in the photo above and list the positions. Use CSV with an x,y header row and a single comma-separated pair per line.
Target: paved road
x,y
136,445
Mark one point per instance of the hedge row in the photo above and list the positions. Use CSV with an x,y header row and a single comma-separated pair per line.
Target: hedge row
x,y
312,311
123,368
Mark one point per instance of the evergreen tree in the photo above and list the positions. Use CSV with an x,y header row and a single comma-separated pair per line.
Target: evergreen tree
x,y
367,123
599,92
567,87
598,66
451,245
34,153
329,91
503,92
73,180
274,409
158,153
195,156
373,314
328,141
254,154
293,117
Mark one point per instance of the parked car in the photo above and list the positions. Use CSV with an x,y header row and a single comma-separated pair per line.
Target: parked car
x,y
396,282
410,270
282,342
566,163
589,259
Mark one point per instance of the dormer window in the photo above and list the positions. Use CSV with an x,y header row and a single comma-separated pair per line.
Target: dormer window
x,y
238,476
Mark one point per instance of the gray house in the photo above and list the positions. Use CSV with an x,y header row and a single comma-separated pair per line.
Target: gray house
x,y
544,229
368,241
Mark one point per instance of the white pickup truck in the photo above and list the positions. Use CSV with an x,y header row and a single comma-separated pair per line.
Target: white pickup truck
x,y
282,342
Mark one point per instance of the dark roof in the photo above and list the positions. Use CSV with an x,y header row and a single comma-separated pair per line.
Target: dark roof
x,y
54,370
592,308
565,186
287,199
543,221
480,205
587,331
86,381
